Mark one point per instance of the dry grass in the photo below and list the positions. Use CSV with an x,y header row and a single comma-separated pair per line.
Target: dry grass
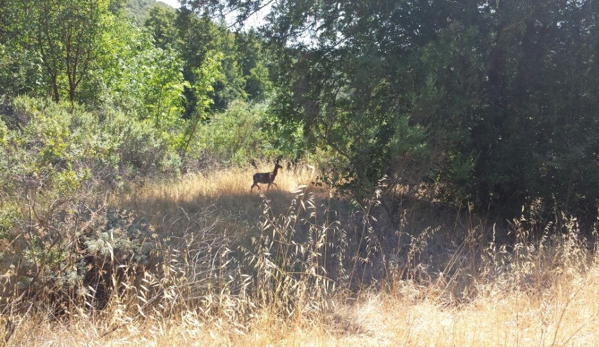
x,y
567,315
235,182
537,293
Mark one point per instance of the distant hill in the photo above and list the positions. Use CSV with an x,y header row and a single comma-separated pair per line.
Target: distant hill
x,y
140,8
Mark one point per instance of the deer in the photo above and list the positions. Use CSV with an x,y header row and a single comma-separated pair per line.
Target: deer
x,y
266,177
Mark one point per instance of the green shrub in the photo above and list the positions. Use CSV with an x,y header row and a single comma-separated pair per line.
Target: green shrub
x,y
61,147
235,136
57,163
79,258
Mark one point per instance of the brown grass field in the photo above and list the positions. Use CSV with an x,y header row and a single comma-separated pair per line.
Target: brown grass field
x,y
449,286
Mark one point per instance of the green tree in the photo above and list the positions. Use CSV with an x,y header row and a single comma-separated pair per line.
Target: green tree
x,y
161,23
253,60
230,86
243,70
197,36
205,76
491,102
20,69
345,74
541,93
67,35
137,77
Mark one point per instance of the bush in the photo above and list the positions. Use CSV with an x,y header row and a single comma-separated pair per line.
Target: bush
x,y
233,136
59,145
79,258
57,164
249,132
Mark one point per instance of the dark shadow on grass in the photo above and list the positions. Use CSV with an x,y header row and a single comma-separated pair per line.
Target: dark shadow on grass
x,y
414,239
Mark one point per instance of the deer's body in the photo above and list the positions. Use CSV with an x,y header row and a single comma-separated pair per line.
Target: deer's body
x,y
266,177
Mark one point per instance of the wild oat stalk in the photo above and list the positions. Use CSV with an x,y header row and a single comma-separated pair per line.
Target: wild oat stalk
x,y
293,257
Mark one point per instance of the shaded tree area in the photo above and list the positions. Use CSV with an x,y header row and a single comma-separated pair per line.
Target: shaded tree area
x,y
491,103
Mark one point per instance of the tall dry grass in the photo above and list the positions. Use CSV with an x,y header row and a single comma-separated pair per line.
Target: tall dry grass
x,y
296,267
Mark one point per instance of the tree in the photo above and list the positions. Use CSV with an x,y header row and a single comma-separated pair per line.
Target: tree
x,y
253,63
161,23
197,36
66,35
20,72
335,79
487,102
541,91
138,77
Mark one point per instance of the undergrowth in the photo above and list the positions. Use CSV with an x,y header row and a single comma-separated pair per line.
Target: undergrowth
x,y
109,272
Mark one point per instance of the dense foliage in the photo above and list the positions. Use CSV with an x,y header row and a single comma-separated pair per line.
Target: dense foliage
x,y
488,102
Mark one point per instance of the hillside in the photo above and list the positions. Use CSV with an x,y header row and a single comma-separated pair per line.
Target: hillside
x,y
140,9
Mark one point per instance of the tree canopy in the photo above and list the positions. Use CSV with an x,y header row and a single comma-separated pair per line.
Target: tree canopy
x,y
488,102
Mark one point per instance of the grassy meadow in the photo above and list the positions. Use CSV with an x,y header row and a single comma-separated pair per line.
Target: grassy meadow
x,y
299,267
